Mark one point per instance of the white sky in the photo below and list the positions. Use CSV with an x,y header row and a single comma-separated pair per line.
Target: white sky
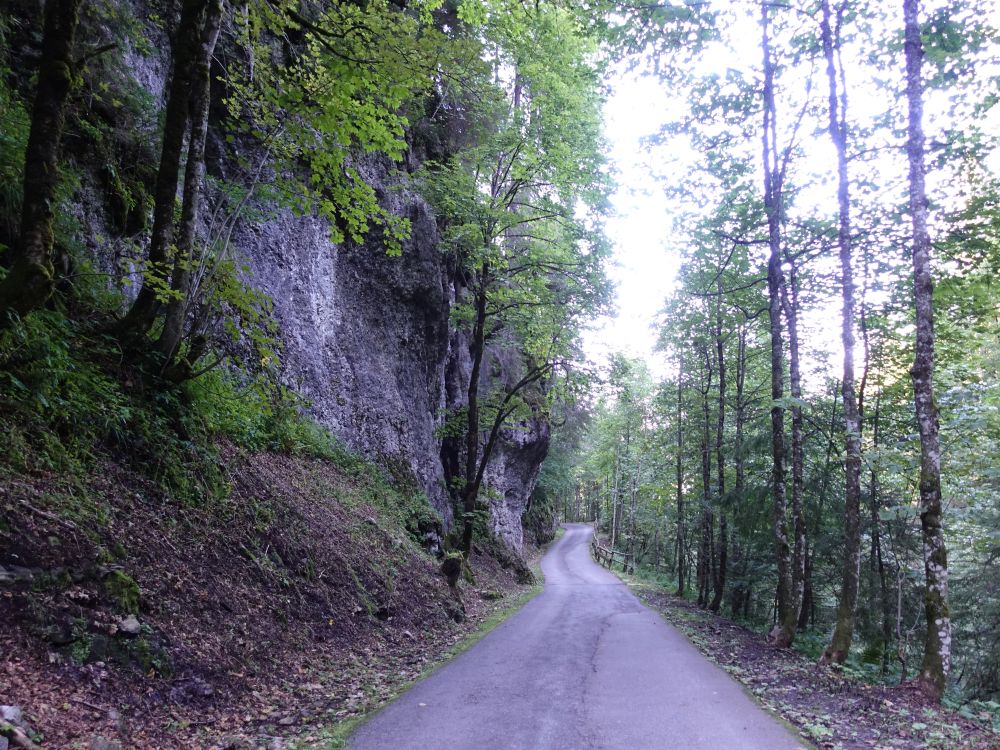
x,y
645,264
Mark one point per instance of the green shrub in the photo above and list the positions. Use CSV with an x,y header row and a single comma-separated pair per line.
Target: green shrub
x,y
13,141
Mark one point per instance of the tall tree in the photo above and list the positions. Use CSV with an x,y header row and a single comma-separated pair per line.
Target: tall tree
x,y
32,276
840,644
788,608
186,45
194,178
937,642
531,268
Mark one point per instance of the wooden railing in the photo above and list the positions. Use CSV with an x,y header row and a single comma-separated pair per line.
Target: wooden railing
x,y
608,557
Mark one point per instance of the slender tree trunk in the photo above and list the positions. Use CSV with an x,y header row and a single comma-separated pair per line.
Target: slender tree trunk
x,y
634,505
143,312
705,557
808,596
741,372
843,633
790,302
32,275
614,500
503,411
722,551
739,487
477,349
808,613
194,178
937,643
878,562
787,612
886,609
681,581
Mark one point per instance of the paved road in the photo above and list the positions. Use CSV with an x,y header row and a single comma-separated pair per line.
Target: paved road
x,y
584,666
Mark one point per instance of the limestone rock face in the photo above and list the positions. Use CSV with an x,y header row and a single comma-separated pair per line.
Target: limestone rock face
x,y
366,336
368,343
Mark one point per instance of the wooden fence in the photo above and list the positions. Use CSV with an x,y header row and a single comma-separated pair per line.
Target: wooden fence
x,y
608,557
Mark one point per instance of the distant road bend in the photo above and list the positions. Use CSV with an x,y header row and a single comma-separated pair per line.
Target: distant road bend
x,y
584,666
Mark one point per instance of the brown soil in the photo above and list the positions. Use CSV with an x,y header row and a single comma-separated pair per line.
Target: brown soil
x,y
831,710
292,605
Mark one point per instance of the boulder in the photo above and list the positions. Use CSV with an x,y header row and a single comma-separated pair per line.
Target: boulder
x,y
130,626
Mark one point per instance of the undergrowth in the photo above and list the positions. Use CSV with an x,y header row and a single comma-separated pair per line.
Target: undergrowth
x,y
67,404
862,665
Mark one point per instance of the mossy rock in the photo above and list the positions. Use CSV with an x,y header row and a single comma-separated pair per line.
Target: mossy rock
x,y
124,591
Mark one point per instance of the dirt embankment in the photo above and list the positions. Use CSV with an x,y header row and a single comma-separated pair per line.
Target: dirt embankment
x,y
299,601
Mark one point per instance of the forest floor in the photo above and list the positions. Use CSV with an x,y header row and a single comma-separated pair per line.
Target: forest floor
x,y
130,620
832,710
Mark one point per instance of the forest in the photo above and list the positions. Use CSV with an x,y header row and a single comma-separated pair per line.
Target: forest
x,y
819,459
297,311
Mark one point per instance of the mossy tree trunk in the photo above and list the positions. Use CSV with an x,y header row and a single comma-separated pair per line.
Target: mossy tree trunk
x,y
32,275
843,633
937,642
194,178
186,43
787,608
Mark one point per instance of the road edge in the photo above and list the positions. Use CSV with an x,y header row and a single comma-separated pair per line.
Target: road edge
x,y
337,735
635,585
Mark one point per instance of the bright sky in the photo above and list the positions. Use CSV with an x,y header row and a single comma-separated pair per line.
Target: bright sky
x,y
645,263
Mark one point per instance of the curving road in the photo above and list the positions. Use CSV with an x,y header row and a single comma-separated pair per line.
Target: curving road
x,y
583,666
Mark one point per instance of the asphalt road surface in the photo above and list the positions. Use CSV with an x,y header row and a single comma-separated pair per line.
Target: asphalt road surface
x,y
583,666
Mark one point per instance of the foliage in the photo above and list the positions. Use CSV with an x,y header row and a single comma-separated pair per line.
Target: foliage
x,y
521,210
13,141
333,100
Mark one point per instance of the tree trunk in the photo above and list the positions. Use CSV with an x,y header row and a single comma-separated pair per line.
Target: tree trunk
x,y
937,643
680,479
194,178
843,633
741,373
615,491
32,275
787,612
706,562
790,303
878,561
722,551
806,612
477,348
634,505
186,43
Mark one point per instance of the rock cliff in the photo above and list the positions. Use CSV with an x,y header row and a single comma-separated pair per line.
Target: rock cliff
x,y
366,336
368,342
